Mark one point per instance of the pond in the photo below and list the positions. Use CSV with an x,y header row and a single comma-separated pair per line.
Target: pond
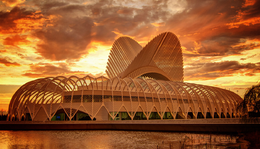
x,y
106,139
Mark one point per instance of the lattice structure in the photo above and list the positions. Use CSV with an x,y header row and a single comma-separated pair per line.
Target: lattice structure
x,y
122,53
117,99
145,83
160,59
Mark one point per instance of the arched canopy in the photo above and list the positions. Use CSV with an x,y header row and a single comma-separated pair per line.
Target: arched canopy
x,y
41,98
162,55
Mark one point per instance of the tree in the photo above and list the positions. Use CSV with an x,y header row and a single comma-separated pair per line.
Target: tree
x,y
251,104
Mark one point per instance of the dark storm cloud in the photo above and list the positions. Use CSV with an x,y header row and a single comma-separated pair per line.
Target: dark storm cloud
x,y
209,71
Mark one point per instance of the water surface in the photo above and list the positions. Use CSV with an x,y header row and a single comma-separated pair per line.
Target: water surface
x,y
106,139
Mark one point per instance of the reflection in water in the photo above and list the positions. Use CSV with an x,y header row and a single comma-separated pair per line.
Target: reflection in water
x,y
205,141
114,139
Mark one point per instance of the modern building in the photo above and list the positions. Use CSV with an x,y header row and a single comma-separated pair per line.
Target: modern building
x,y
143,84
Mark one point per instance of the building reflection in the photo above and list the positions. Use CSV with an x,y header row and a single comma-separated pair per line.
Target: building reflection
x,y
205,141
105,139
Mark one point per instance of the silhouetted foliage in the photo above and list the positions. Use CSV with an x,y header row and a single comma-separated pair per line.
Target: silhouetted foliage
x,y
3,117
253,138
251,104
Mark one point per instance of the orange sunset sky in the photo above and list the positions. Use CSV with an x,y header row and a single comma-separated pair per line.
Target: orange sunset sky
x,y
42,38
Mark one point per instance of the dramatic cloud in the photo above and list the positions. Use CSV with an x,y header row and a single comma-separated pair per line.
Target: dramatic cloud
x,y
15,40
211,28
65,41
222,46
6,62
69,36
50,70
78,25
205,28
248,57
20,20
50,38
47,70
12,3
214,70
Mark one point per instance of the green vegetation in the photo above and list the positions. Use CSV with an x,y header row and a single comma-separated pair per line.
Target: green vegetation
x,y
251,105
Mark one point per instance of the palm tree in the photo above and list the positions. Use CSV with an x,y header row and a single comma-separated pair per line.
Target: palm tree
x,y
251,104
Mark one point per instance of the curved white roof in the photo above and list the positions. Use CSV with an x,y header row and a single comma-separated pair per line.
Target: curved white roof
x,y
161,59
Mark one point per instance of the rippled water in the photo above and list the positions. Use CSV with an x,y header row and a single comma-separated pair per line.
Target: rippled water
x,y
84,139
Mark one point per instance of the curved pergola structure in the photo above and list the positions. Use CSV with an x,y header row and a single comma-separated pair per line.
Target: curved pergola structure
x,y
89,98
160,59
143,84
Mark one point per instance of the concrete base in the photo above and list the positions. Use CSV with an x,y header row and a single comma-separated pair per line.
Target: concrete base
x,y
187,125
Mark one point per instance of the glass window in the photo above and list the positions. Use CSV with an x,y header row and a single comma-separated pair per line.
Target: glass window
x,y
139,116
87,98
154,115
134,98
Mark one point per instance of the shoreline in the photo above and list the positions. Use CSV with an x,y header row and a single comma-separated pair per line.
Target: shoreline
x,y
177,125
